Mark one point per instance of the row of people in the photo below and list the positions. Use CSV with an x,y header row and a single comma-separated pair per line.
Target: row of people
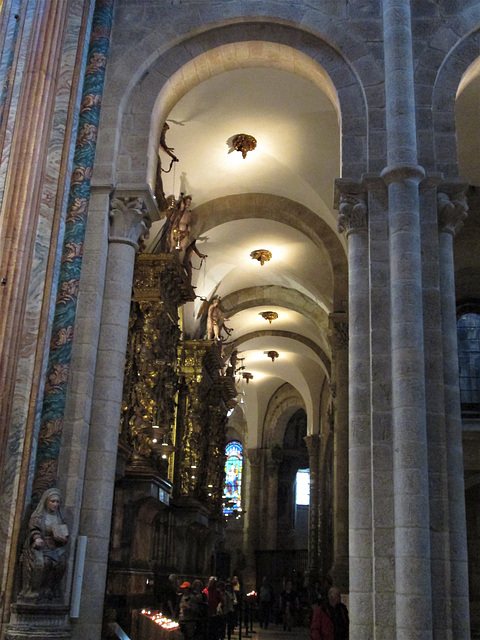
x,y
328,615
205,612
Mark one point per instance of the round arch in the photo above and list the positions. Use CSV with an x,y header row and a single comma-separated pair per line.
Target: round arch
x,y
283,404
284,210
288,334
134,92
280,296
445,90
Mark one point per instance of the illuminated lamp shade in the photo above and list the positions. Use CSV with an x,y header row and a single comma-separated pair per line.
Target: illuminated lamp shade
x,y
262,255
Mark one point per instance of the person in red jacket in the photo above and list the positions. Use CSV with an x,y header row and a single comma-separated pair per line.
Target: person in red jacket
x,y
321,627
330,619
214,604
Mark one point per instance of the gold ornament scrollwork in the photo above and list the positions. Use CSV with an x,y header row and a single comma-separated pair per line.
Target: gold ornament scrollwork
x,y
150,378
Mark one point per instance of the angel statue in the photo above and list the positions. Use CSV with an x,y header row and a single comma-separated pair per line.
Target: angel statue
x,y
215,321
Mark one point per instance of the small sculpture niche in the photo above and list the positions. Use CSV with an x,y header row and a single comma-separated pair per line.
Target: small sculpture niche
x,y
44,552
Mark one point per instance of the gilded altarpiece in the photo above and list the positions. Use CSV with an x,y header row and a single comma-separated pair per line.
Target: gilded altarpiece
x,y
204,397
172,442
150,384
143,546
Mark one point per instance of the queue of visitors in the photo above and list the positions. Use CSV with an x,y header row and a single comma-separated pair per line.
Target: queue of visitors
x,y
208,612
211,611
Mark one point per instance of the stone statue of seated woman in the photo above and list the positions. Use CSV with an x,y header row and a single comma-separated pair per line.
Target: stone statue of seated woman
x,y
44,553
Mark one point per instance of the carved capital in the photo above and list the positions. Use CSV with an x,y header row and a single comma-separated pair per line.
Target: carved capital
x,y
255,457
352,216
339,332
313,444
452,211
129,221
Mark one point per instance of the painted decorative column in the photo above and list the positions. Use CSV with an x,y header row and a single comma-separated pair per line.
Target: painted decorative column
x,y
452,211
339,569
129,222
410,457
352,220
23,190
313,446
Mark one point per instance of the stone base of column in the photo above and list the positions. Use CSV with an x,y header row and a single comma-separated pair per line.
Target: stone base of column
x,y
40,621
339,573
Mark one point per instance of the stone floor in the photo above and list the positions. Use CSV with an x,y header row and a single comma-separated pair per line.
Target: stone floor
x,y
274,631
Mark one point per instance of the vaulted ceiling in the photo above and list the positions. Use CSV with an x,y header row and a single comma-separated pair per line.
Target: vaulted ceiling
x,y
279,198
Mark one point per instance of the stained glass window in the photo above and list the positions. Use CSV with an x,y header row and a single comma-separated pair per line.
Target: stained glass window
x,y
232,495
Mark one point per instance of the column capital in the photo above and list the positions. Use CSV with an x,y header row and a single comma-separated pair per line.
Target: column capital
x,y
401,172
129,220
452,208
338,325
313,444
255,456
352,208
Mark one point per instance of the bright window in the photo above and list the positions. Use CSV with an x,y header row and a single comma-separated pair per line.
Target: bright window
x,y
302,497
468,331
232,495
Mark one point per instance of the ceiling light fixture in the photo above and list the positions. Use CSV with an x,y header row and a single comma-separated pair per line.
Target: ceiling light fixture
x,y
269,315
244,143
262,255
272,354
246,375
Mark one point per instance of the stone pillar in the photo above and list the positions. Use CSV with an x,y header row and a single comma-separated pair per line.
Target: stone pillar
x,y
273,465
128,223
353,220
255,457
339,570
435,413
452,211
313,446
413,602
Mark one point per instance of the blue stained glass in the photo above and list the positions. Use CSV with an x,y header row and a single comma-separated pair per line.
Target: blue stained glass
x,y
232,495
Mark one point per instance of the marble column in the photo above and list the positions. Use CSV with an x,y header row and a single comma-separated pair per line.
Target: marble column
x,y
339,570
353,221
313,446
413,601
452,211
272,467
23,189
129,222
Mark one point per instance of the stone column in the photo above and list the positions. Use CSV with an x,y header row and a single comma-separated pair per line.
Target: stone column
x,y
128,223
353,220
339,569
255,457
452,211
273,465
313,446
410,457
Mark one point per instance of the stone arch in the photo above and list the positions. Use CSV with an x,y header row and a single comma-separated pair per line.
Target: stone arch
x,y
447,82
140,74
294,336
280,296
283,404
272,207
